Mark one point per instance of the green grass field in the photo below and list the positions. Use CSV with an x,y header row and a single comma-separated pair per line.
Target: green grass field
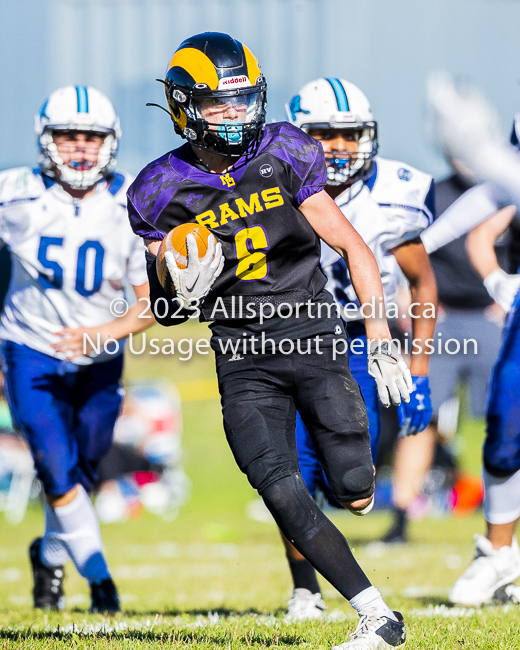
x,y
214,578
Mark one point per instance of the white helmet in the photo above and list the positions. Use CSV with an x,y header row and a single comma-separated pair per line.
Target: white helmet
x,y
338,104
77,108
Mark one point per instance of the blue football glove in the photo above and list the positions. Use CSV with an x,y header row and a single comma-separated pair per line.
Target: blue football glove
x,y
415,415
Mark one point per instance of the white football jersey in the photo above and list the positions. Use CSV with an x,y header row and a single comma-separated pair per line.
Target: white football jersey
x,y
71,258
393,206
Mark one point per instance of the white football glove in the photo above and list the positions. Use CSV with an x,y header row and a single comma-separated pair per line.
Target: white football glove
x,y
390,371
465,124
502,287
194,282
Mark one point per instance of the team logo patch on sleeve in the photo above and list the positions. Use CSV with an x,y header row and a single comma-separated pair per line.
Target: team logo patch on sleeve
x,y
404,174
266,170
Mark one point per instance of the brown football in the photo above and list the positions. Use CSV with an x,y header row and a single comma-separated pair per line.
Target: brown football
x,y
175,241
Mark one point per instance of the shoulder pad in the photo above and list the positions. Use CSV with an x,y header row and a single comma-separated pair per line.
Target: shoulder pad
x,y
290,144
20,184
154,188
118,185
400,184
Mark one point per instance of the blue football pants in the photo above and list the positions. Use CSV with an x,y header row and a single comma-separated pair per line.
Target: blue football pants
x,y
67,413
502,444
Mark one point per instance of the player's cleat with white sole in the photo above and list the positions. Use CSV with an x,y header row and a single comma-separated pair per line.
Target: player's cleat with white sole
x,y
104,597
376,632
305,606
490,570
48,581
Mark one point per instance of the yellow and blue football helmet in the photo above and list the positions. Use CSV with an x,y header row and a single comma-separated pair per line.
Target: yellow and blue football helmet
x,y
216,94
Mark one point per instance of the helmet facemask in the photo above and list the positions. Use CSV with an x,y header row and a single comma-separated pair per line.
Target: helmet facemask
x,y
53,165
346,167
227,123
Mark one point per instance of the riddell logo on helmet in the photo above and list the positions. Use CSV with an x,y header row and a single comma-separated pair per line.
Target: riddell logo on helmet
x,y
234,82
231,81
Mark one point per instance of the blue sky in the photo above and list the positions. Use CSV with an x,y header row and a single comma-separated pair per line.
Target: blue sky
x,y
387,47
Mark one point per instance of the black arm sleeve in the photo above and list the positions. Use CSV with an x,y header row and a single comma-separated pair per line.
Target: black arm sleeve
x,y
161,302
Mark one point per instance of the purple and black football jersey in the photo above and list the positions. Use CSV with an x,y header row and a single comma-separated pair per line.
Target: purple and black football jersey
x,y
271,252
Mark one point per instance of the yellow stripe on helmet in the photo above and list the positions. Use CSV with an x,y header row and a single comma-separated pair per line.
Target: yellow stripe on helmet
x,y
197,64
253,70
181,120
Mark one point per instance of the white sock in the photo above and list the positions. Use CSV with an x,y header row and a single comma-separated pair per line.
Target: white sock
x,y
501,498
371,598
79,532
53,551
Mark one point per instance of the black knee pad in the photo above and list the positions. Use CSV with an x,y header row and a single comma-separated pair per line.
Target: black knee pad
x,y
347,462
357,483
293,509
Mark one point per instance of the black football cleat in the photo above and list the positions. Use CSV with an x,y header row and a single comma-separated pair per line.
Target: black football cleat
x,y
104,598
48,581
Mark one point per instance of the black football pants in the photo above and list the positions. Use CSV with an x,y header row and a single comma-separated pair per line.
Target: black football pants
x,y
260,395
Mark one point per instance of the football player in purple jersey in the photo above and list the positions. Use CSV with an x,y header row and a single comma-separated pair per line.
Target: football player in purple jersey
x,y
275,331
